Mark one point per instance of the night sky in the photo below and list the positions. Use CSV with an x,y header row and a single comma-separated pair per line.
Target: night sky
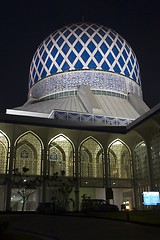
x,y
24,24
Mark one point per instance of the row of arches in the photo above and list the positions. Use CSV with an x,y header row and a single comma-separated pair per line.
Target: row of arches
x,y
29,152
136,167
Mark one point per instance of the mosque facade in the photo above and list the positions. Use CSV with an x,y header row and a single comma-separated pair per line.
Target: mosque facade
x,y
85,115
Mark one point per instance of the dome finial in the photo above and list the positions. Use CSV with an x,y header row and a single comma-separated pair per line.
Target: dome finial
x,y
82,18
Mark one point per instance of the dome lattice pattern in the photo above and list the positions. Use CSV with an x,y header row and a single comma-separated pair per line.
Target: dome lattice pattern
x,y
84,46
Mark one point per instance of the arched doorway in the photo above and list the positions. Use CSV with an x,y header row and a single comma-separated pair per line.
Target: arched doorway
x,y
27,165
120,173
91,169
61,155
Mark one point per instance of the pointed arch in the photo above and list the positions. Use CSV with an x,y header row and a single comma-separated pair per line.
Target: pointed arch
x,y
28,153
61,155
4,152
140,157
91,158
119,156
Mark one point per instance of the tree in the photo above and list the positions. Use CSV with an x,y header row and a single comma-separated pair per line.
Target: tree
x,y
25,186
61,187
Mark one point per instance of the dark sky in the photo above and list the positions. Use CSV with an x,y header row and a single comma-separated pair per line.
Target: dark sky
x,y
24,24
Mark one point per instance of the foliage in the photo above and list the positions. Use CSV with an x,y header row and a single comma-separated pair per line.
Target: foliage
x,y
25,186
60,187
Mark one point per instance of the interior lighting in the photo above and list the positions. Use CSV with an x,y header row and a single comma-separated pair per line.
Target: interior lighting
x,y
127,207
60,139
143,144
117,143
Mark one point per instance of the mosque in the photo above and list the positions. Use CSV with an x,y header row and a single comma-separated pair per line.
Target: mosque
x,y
85,115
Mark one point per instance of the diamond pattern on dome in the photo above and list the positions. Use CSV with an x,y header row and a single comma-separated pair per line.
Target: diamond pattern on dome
x,y
83,46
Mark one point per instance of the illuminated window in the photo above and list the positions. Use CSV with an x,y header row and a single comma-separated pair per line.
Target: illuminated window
x,y
4,149
29,153
53,156
140,161
61,156
91,159
119,160
24,154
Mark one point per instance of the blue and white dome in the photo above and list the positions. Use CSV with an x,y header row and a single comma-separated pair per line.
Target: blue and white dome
x,y
85,72
79,47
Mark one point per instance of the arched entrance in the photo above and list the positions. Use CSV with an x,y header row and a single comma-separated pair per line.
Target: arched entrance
x,y
27,165
91,169
120,173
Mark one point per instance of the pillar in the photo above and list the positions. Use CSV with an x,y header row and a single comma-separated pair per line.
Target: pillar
x,y
106,174
44,174
151,183
9,178
134,184
76,179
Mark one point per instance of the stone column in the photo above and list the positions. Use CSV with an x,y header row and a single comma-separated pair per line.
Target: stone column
x,y
134,184
150,168
106,175
44,184
9,178
76,179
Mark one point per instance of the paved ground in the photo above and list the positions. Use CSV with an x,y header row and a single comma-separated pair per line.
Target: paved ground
x,y
79,228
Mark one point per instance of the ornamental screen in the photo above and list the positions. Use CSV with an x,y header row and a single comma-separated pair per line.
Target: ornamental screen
x,y
29,154
61,156
4,148
119,160
91,159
